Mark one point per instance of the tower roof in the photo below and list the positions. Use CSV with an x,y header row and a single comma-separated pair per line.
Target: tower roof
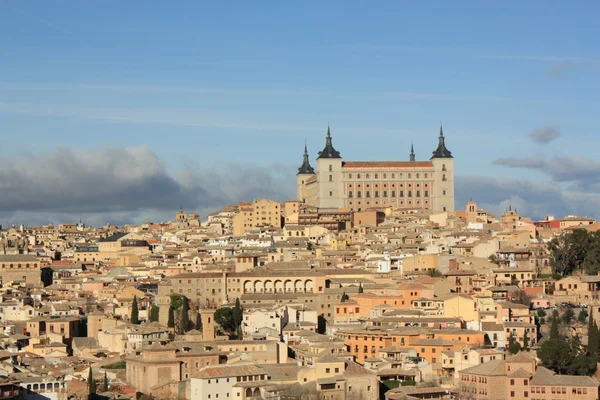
x,y
441,151
412,152
329,151
305,168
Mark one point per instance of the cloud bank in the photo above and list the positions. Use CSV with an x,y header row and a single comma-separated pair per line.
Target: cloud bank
x,y
132,185
125,185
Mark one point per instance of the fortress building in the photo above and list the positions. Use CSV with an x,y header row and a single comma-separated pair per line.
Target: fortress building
x,y
359,185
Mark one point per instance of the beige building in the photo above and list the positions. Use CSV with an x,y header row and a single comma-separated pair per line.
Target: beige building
x,y
518,377
257,214
361,185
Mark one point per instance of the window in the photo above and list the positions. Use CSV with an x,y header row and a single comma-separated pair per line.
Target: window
x,y
367,176
385,193
376,176
358,194
393,193
402,193
377,193
330,178
330,193
410,193
368,194
512,394
330,167
350,193
384,176
350,176
426,194
357,176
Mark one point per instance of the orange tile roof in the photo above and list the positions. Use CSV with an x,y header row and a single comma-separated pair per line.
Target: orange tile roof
x,y
389,164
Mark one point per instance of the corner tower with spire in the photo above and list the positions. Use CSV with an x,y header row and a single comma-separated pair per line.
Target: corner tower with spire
x,y
443,164
305,172
329,175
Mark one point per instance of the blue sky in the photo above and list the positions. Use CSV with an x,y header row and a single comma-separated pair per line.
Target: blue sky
x,y
211,88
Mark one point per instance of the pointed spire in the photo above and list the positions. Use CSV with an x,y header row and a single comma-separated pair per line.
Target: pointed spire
x,y
412,152
329,151
305,168
441,151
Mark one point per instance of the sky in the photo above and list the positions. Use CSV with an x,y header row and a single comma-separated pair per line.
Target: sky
x,y
121,112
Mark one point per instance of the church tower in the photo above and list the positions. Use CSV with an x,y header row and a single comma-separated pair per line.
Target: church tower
x,y
329,176
443,189
304,172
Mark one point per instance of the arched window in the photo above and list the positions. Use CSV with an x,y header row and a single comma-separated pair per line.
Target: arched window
x,y
376,176
357,176
384,176
425,175
367,176
417,175
349,176
409,176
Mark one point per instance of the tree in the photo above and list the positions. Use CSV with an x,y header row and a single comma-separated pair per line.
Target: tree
x,y
569,251
185,317
568,316
434,273
555,354
224,318
493,258
513,345
105,387
582,317
541,314
91,383
198,325
593,338
525,340
360,288
238,313
554,327
522,298
154,313
135,318
344,298
171,321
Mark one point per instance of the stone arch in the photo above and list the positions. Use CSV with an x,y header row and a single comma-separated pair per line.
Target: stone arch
x,y
269,287
248,392
256,392
278,286
57,386
289,286
308,286
258,287
298,286
35,386
248,287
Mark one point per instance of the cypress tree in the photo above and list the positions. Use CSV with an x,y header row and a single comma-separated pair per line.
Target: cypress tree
x,y
198,325
238,313
185,317
91,383
135,313
360,288
154,314
593,337
344,298
105,387
554,327
171,321
525,340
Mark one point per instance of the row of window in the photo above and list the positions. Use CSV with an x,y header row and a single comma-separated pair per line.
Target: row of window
x,y
393,185
385,193
385,176
19,265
